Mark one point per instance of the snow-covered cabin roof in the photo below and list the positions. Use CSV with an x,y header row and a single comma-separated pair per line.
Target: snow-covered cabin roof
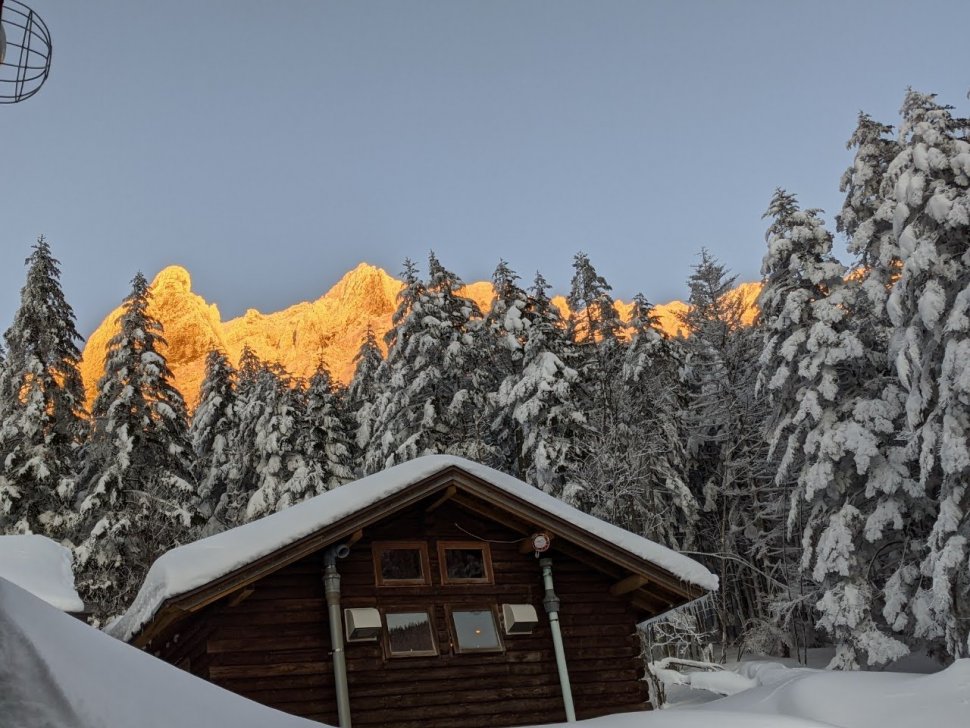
x,y
196,565
41,566
58,672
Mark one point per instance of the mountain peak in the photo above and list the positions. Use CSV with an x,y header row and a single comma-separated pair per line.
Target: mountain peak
x,y
173,277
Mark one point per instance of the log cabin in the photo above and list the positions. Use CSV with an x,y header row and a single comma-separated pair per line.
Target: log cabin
x,y
436,593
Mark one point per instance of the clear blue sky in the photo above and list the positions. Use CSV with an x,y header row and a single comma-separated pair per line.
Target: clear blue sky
x,y
270,146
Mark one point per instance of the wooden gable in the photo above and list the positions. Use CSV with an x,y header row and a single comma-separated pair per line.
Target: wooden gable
x,y
651,588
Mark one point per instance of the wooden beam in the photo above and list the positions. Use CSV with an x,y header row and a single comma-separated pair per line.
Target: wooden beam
x,y
241,596
355,537
442,499
625,586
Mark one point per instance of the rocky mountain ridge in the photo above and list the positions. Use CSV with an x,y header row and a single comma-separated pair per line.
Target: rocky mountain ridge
x,y
330,328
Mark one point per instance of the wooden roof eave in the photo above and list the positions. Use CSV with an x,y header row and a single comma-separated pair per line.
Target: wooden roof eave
x,y
596,545
177,608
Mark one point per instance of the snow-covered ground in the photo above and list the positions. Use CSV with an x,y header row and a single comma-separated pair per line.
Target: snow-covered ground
x,y
57,672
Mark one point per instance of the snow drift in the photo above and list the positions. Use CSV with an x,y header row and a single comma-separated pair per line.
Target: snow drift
x,y
57,672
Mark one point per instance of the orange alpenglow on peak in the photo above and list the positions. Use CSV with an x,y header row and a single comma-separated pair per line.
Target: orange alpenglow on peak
x,y
330,328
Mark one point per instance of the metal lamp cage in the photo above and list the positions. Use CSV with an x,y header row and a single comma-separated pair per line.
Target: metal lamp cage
x,y
25,52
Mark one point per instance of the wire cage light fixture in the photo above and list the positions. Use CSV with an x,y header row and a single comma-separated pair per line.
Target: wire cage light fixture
x,y
25,52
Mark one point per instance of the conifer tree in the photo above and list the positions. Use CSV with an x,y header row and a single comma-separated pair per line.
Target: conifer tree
x,y
504,342
389,405
268,471
362,394
213,424
42,414
928,184
432,401
594,325
137,499
325,437
250,399
280,474
892,507
544,399
816,369
727,459
639,466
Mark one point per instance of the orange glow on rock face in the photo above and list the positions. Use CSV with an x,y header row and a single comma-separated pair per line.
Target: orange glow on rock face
x,y
330,328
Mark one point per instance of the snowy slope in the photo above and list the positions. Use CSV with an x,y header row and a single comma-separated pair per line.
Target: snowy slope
x,y
57,672
42,567
691,719
855,699
193,565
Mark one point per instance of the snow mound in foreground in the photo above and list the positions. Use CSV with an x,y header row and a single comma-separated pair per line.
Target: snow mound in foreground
x,y
854,699
57,672
42,567
692,719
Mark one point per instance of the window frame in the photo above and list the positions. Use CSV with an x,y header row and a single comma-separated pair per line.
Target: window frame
x,y
379,547
450,610
386,633
482,546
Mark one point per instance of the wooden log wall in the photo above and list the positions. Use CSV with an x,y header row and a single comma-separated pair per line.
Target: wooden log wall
x,y
274,647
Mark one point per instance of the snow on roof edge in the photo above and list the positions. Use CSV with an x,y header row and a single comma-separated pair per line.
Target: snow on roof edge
x,y
191,566
41,566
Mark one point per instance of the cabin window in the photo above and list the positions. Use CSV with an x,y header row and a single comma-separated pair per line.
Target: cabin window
x,y
409,634
401,563
475,630
465,562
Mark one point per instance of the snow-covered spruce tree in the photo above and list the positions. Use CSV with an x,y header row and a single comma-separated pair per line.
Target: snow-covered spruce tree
x,y
504,341
267,472
361,399
544,399
830,429
137,499
727,455
213,424
325,438
929,187
281,474
433,401
379,440
895,511
641,485
239,482
42,423
594,326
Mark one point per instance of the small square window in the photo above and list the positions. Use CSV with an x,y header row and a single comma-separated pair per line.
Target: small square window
x,y
400,563
409,634
465,562
475,630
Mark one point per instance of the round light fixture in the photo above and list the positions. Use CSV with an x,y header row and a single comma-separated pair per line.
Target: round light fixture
x,y
541,542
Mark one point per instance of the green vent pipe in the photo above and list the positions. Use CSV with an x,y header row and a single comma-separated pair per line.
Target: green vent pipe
x,y
551,602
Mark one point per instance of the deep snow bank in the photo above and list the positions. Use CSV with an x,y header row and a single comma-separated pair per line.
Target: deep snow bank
x,y
854,699
57,672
